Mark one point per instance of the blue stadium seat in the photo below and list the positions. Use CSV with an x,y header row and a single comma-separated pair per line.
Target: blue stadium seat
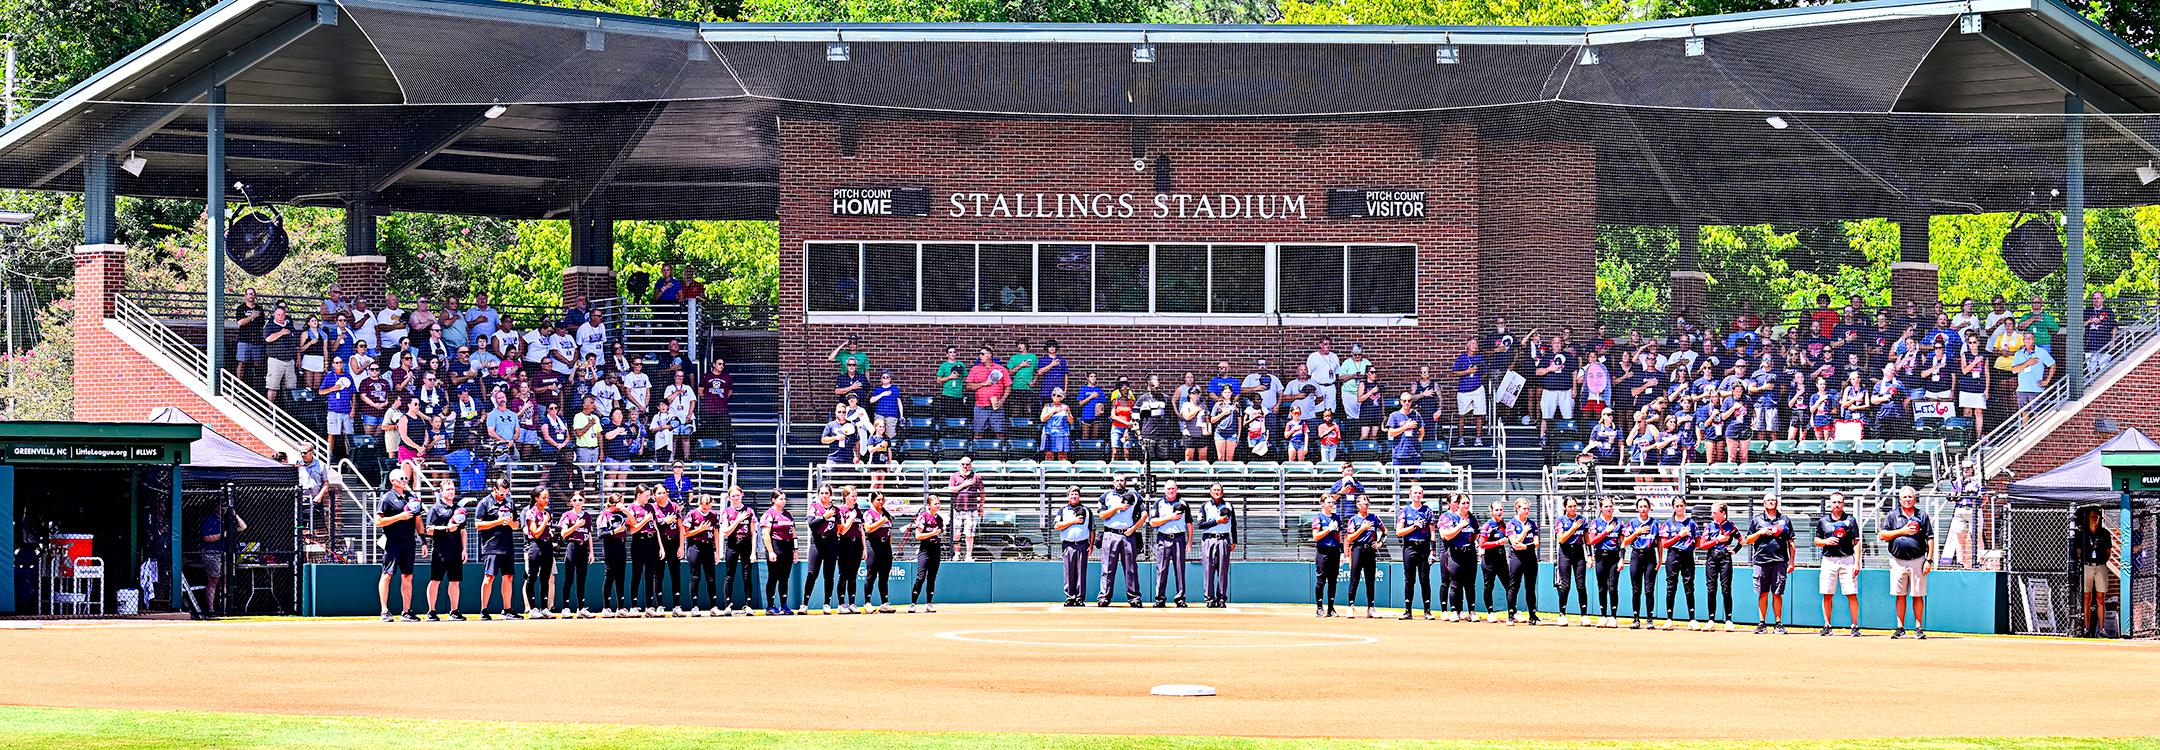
x,y
951,449
916,449
1023,448
954,425
920,402
987,449
1366,449
918,426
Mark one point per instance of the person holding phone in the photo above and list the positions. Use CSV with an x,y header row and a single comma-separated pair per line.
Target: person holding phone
x,y
1770,540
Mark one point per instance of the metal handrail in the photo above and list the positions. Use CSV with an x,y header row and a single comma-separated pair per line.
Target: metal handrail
x,y
364,532
2128,338
1718,320
283,426
165,304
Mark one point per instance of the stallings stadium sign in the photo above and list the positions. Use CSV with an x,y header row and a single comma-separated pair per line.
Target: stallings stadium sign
x,y
1342,203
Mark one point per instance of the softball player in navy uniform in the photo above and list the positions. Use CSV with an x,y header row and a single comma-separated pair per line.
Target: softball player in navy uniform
x,y
644,555
1770,540
1413,525
1604,542
1363,538
1571,567
497,521
877,554
1121,526
928,530
737,523
614,533
1458,534
1718,539
1492,538
824,548
397,514
779,527
541,549
575,530
1522,533
1218,527
697,547
1327,556
1837,533
1075,532
1677,537
1171,543
446,537
1639,535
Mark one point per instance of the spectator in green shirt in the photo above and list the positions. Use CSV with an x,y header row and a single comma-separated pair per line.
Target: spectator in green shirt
x,y
851,351
2043,324
1023,401
952,399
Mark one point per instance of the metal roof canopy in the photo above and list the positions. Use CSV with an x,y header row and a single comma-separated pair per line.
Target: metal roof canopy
x,y
662,119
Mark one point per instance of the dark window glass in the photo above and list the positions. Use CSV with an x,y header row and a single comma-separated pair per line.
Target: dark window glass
x,y
948,278
1121,278
1008,278
1065,277
1383,279
1181,278
1311,278
835,277
1239,281
889,276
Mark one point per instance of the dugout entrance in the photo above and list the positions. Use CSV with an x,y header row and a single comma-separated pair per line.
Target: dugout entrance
x,y
85,506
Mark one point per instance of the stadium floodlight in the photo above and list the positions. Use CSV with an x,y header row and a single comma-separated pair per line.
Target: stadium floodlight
x,y
1777,122
134,164
1143,53
2146,174
496,111
836,52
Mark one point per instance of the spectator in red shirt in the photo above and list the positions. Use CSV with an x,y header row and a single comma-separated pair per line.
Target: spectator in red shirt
x,y
990,382
1825,320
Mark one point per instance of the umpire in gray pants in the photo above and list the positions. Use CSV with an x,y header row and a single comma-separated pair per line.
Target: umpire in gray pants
x,y
1217,526
1120,515
1075,530
1172,544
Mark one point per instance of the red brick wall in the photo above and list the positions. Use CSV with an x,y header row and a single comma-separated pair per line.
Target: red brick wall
x,y
2130,402
114,382
364,277
1537,240
1302,158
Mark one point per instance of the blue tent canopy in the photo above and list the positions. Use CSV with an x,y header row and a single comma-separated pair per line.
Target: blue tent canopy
x,y
2080,481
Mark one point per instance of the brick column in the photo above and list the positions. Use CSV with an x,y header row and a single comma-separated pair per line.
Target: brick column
x,y
1913,277
364,277
590,282
1690,294
100,273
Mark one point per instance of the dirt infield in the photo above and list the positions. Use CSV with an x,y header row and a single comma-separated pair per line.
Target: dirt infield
x,y
1009,668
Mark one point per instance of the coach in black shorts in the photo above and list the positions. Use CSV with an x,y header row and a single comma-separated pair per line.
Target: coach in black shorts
x,y
445,523
497,520
397,515
1770,538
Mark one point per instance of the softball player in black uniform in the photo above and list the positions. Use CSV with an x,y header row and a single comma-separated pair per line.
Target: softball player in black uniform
x,y
1604,544
540,553
698,529
1571,566
614,533
1639,535
1492,538
929,533
1327,556
877,553
1458,535
1677,537
851,550
824,548
1364,540
575,528
779,527
668,515
1718,538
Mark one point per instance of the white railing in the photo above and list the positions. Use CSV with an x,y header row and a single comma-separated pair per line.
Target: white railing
x,y
645,329
285,430
2098,365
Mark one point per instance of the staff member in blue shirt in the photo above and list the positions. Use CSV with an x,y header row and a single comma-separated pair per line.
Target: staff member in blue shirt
x,y
1639,534
1770,538
1522,539
1717,546
1172,544
1327,556
1492,538
1458,532
1075,529
1604,542
1677,537
1414,526
1571,567
1363,536
1218,524
1120,509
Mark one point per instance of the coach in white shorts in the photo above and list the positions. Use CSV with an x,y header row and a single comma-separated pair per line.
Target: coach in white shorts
x,y
1837,534
1911,535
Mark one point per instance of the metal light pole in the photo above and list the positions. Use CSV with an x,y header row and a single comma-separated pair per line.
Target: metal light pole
x,y
214,201
11,219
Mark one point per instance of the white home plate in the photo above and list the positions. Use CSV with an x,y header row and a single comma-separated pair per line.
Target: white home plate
x,y
1182,690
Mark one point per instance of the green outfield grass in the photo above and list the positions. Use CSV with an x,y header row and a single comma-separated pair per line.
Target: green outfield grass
x,y
94,728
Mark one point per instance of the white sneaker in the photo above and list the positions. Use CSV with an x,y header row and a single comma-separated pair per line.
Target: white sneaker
x,y
679,612
1728,626
1692,625
605,612
929,608
714,612
911,609
1563,621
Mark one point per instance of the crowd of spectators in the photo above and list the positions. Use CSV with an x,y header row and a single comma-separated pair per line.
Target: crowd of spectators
x,y
1695,393
427,382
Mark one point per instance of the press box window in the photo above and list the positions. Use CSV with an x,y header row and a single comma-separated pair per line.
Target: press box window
x,y
1356,279
835,279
